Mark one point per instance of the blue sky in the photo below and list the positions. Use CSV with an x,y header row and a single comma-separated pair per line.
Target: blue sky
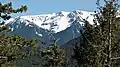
x,y
50,6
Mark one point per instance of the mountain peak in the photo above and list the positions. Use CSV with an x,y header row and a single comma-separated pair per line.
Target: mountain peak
x,y
63,13
61,25
54,21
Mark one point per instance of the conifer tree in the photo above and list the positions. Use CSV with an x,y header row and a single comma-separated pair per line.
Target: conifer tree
x,y
100,44
53,56
12,47
5,11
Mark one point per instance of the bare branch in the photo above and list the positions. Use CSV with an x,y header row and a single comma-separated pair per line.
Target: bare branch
x,y
3,57
115,58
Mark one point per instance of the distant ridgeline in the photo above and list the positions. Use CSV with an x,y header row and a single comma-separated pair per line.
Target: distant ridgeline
x,y
61,26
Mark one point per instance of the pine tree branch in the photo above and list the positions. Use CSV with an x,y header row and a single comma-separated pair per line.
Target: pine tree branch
x,y
115,58
3,57
104,53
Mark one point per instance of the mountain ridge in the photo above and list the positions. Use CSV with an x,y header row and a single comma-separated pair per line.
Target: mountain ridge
x,y
62,26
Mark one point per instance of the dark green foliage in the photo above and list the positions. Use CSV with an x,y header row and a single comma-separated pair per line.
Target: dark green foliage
x,y
12,47
100,44
84,53
5,11
53,56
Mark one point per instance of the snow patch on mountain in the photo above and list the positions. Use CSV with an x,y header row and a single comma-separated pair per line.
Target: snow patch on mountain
x,y
61,25
55,21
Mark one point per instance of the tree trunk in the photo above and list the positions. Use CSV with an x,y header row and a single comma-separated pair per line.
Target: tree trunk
x,y
109,46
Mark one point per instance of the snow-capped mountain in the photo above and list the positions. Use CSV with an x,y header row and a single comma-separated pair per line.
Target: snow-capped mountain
x,y
62,26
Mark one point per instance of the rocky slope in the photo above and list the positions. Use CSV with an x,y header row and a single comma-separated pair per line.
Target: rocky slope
x,y
62,26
